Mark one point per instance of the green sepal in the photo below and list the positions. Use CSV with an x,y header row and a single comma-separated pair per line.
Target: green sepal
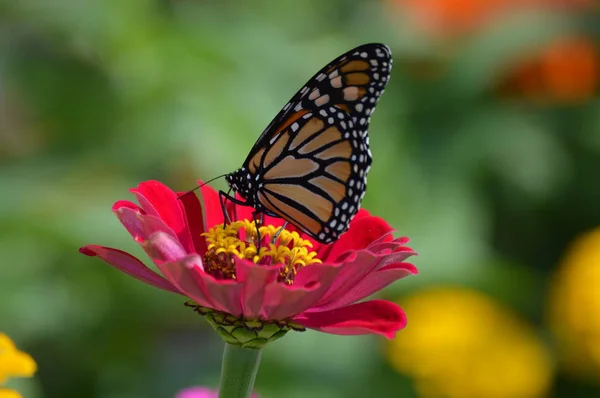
x,y
245,333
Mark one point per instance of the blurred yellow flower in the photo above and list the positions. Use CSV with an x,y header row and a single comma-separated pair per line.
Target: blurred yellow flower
x,y
461,344
13,363
574,306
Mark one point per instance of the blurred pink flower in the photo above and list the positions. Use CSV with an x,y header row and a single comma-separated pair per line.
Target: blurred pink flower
x,y
285,284
201,392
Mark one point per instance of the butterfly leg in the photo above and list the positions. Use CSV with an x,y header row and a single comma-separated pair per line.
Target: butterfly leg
x,y
223,197
258,218
279,232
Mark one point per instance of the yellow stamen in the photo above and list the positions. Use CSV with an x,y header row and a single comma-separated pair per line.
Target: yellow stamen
x,y
240,239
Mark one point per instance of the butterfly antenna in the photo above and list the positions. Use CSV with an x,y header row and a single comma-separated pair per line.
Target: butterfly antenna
x,y
200,186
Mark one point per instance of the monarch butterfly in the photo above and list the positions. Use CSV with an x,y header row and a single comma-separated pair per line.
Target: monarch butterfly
x,y
310,165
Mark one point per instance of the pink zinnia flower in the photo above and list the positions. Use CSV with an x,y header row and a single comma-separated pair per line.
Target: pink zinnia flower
x,y
295,283
201,392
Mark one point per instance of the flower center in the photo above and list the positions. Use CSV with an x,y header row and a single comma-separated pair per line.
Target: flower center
x,y
240,239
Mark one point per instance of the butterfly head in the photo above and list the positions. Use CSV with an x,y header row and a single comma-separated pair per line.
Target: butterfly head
x,y
242,182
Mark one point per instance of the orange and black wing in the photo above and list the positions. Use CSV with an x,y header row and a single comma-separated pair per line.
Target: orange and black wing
x,y
353,82
313,174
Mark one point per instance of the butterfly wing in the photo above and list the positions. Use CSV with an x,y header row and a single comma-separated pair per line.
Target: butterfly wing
x,y
309,166
353,82
314,173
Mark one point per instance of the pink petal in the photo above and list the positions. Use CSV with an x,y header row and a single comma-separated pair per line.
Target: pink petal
x,y
382,248
197,392
310,285
141,226
370,317
389,247
363,232
324,250
162,247
128,205
355,269
160,201
274,221
239,212
212,206
317,272
130,265
360,214
372,283
386,237
195,220
254,279
201,392
283,301
225,294
187,275
403,240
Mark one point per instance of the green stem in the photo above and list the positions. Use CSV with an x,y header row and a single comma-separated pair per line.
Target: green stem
x,y
238,372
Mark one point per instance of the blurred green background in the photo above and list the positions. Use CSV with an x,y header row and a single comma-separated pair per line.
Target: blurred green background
x,y
486,151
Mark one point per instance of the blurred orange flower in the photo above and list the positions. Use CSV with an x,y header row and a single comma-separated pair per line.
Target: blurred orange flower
x,y
452,17
568,70
449,16
574,307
